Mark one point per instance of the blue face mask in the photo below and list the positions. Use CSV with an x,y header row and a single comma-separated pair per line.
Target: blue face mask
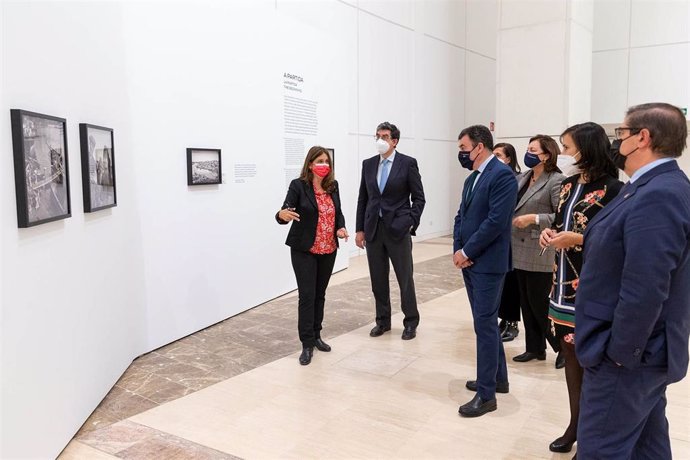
x,y
531,159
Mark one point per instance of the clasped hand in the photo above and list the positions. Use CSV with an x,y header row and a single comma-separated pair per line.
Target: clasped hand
x,y
559,240
460,261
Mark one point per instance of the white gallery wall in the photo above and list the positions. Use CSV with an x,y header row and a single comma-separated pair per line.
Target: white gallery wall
x,y
565,62
82,297
641,53
73,295
544,68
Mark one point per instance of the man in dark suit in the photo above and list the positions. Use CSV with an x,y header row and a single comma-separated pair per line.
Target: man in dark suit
x,y
481,245
389,208
633,300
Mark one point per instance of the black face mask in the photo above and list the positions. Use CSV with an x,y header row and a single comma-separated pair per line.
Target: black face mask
x,y
616,156
464,159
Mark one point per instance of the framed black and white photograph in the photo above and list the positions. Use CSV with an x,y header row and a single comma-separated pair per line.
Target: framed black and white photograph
x,y
203,166
331,153
97,167
41,172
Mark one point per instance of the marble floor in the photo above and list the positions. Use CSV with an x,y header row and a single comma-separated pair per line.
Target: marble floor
x,y
236,390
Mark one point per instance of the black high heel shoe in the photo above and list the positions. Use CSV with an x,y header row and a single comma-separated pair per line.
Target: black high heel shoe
x,y
305,357
561,445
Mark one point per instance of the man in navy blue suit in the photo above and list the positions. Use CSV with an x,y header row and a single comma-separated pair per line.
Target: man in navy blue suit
x,y
389,210
481,245
633,299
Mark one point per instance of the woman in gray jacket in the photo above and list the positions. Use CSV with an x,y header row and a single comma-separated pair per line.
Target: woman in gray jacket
x,y
538,194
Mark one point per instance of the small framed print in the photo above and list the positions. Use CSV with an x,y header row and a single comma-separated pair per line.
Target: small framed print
x,y
97,167
331,152
203,166
41,172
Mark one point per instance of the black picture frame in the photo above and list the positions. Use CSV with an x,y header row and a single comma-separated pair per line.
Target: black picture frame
x,y
98,178
41,168
204,166
331,152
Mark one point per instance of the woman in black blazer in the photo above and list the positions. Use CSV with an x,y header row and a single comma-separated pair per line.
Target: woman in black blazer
x,y
509,308
313,206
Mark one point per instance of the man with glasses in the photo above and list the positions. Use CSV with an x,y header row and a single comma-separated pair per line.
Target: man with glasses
x,y
633,300
481,245
389,209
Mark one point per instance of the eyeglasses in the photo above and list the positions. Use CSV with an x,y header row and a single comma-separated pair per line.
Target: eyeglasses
x,y
618,131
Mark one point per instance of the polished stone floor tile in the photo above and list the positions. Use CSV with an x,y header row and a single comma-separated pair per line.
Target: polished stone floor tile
x,y
129,440
236,389
262,335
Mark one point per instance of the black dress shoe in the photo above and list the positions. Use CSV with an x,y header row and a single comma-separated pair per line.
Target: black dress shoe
x,y
305,357
409,333
502,326
477,407
379,330
529,356
321,345
561,445
501,387
511,331
560,363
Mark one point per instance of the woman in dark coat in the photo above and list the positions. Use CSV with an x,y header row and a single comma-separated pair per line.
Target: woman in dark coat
x,y
313,206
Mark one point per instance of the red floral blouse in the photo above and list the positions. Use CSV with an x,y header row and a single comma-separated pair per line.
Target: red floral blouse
x,y
325,227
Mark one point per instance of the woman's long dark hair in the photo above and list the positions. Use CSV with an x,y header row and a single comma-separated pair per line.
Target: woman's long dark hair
x,y
593,143
328,182
509,151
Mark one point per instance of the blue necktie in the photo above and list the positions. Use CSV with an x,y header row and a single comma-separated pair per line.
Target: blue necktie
x,y
384,174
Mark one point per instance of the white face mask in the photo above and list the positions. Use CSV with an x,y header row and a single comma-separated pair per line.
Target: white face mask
x,y
382,146
566,163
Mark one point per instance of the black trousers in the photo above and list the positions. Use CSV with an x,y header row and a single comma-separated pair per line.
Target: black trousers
x,y
510,299
312,271
380,251
534,301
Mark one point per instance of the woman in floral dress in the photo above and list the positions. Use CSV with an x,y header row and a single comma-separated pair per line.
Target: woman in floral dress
x,y
582,196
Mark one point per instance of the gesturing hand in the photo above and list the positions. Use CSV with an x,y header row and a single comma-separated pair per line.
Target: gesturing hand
x,y
288,214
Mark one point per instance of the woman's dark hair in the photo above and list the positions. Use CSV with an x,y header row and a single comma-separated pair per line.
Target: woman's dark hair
x,y
307,175
509,151
594,146
550,147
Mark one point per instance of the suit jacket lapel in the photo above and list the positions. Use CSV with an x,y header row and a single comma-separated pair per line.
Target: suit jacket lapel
x,y
309,191
538,185
478,182
373,169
